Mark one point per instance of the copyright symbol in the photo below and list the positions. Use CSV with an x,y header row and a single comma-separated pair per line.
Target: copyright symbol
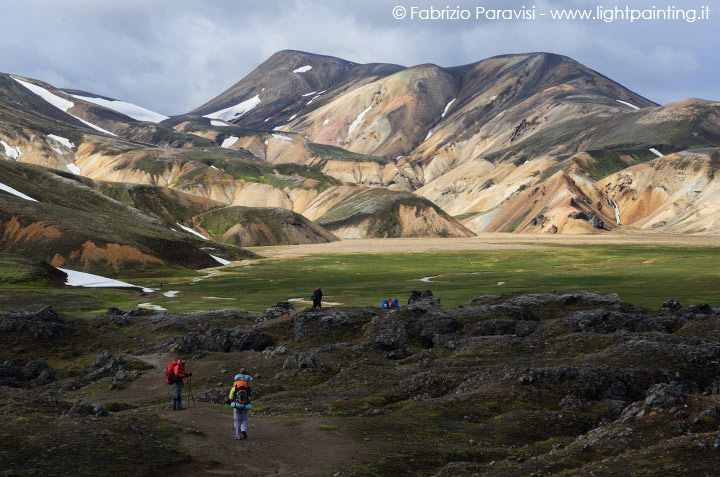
x,y
399,12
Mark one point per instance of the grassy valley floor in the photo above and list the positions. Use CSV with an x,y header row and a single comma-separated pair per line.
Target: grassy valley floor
x,y
646,272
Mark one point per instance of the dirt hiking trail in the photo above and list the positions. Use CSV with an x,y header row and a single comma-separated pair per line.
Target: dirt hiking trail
x,y
275,446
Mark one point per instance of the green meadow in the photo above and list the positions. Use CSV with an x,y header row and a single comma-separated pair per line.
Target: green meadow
x,y
644,275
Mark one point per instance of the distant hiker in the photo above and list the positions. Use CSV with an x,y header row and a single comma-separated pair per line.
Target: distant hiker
x,y
239,400
317,298
175,374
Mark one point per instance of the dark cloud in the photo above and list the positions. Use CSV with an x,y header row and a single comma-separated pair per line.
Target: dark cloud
x,y
171,56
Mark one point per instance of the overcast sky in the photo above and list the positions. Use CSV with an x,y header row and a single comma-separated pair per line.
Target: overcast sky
x,y
173,55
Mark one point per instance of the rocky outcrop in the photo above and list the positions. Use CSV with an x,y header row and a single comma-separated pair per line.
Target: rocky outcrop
x,y
225,340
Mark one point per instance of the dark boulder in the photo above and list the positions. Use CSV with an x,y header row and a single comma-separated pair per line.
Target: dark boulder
x,y
671,305
37,370
225,340
425,298
302,361
281,308
330,323
664,395
495,327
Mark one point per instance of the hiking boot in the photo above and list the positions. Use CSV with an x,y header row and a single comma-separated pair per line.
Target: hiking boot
x,y
179,407
238,438
244,435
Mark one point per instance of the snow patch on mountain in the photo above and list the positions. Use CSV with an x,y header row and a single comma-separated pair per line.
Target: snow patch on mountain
x,y
15,192
310,94
221,261
73,168
11,152
128,109
358,120
233,112
64,141
283,137
656,152
428,135
229,142
191,231
325,122
627,104
60,103
82,279
218,123
447,106
303,69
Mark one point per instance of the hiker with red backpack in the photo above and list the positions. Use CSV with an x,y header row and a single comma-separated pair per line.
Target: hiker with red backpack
x,y
239,400
175,374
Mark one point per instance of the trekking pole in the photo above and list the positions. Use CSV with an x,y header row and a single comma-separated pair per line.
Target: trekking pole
x,y
192,398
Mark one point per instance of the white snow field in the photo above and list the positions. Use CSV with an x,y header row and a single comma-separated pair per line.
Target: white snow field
x,y
191,231
218,123
303,69
73,168
283,137
428,135
15,192
233,112
229,142
358,120
448,107
88,280
61,103
151,306
221,261
64,141
128,109
171,294
656,152
11,152
627,104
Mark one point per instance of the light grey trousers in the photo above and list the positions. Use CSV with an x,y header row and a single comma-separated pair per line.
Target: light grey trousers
x,y
240,418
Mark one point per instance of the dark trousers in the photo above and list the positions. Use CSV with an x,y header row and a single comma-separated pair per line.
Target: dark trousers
x,y
317,303
177,400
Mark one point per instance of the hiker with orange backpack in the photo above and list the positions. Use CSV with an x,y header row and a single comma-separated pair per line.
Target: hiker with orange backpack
x,y
239,400
175,374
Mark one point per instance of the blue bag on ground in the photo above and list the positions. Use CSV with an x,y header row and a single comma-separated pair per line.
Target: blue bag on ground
x,y
385,305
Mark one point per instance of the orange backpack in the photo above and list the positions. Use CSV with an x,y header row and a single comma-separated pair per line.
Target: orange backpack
x,y
241,392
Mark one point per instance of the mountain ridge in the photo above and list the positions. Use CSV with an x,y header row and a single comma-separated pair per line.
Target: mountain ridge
x,y
322,136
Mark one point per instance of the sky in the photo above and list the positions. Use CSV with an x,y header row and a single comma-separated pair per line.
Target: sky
x,y
174,55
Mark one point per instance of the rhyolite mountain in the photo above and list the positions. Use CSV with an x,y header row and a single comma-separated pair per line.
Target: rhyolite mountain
x,y
515,143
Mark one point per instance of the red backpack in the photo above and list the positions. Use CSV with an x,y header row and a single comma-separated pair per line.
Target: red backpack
x,y
170,371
